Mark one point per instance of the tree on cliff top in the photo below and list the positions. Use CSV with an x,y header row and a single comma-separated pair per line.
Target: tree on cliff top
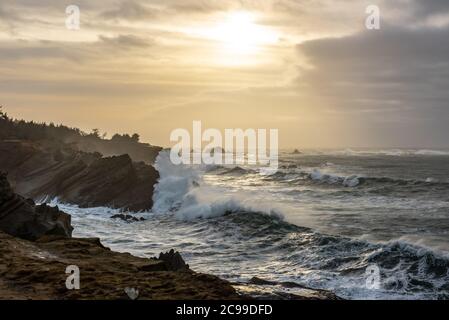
x,y
30,130
3,115
126,138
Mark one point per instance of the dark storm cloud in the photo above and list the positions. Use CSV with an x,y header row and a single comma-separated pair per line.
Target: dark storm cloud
x,y
393,64
430,7
394,75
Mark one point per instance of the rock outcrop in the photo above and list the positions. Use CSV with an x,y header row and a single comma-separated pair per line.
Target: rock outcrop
x,y
127,218
20,217
37,270
262,289
34,267
55,170
173,261
108,148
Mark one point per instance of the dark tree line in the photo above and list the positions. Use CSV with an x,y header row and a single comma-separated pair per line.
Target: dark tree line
x,y
30,130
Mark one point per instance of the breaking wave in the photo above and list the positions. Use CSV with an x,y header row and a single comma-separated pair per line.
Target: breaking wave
x,y
293,175
332,262
182,191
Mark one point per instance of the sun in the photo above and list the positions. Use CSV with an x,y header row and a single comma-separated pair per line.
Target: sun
x,y
238,33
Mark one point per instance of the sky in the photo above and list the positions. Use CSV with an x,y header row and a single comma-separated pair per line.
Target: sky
x,y
309,68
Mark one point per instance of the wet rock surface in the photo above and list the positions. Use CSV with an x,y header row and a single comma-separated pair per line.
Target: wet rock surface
x,y
270,290
127,218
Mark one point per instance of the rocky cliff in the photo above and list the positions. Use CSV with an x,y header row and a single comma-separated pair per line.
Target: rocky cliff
x,y
20,217
56,170
36,247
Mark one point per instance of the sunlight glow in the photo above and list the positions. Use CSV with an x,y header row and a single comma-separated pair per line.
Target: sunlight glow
x,y
239,34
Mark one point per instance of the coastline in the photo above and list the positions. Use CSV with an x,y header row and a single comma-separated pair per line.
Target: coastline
x,y
36,245
37,271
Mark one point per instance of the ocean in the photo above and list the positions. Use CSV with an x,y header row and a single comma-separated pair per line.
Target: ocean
x,y
324,220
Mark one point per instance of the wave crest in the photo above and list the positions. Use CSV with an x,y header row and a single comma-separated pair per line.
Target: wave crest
x,y
182,190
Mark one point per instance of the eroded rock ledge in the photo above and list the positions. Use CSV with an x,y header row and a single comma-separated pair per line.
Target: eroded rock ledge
x,y
36,270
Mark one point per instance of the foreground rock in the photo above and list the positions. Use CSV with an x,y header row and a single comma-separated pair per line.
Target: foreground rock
x,y
108,148
40,169
127,218
173,261
22,218
36,270
270,290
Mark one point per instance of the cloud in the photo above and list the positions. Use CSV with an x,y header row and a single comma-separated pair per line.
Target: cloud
x,y
393,81
106,47
125,41
130,11
395,77
392,61
425,8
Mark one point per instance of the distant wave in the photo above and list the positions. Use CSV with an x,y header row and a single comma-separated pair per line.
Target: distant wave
x,y
237,171
292,173
351,181
384,152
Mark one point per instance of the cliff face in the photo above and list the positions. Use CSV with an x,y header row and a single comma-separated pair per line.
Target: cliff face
x,y
36,247
20,217
139,152
40,169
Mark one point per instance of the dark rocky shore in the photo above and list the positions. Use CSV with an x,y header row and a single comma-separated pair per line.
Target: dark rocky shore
x,y
41,169
36,270
36,247
36,244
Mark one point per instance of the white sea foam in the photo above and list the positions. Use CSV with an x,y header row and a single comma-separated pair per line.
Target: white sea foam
x,y
350,181
189,192
380,152
182,190
432,152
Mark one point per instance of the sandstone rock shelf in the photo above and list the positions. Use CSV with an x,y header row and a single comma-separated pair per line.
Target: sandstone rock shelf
x,y
36,270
